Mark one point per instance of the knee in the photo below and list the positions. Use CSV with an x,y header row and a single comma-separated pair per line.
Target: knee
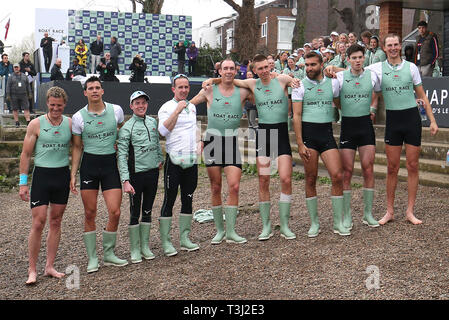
x,y
234,188
337,177
286,180
90,214
367,169
115,213
55,222
38,224
413,166
393,168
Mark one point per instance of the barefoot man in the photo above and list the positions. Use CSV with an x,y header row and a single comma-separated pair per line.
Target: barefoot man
x,y
400,80
49,137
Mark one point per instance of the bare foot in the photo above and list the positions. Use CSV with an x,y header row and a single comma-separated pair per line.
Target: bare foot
x,y
51,272
32,275
413,219
387,218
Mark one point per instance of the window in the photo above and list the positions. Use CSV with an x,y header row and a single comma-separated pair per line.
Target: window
x,y
229,40
263,30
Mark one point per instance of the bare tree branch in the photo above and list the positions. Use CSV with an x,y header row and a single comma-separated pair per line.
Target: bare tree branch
x,y
234,5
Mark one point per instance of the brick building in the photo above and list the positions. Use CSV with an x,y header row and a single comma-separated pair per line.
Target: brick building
x,y
276,21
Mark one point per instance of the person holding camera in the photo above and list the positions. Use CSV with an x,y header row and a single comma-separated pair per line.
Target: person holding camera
x,y
138,68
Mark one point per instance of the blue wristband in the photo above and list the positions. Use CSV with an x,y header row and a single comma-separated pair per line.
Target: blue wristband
x,y
23,181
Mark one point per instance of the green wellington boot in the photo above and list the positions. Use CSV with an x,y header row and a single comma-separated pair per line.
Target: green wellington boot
x,y
284,216
231,216
134,243
368,196
144,228
312,207
109,257
219,225
264,208
347,217
90,241
164,229
337,208
185,223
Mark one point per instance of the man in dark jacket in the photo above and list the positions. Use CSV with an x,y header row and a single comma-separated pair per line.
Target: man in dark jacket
x,y
5,71
28,69
426,51
75,70
138,68
96,50
107,68
18,91
47,48
56,73
181,51
115,51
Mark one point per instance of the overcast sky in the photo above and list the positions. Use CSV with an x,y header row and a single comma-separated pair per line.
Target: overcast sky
x,y
22,12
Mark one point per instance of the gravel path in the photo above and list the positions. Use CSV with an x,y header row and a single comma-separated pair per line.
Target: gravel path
x,y
412,261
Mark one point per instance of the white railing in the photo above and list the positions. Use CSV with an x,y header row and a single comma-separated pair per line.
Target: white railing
x,y
2,94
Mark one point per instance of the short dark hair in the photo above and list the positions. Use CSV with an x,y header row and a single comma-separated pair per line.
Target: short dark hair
x,y
259,58
355,48
92,79
422,23
24,54
313,54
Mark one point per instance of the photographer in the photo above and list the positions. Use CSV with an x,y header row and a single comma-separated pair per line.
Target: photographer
x,y
138,68
106,67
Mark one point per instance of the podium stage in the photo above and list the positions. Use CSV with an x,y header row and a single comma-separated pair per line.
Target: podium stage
x,y
117,93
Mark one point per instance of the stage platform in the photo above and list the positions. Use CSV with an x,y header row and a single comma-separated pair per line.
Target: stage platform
x,y
119,93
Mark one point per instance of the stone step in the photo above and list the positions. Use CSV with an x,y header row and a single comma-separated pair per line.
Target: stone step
x,y
441,137
425,165
11,133
10,149
10,166
434,179
429,150
8,119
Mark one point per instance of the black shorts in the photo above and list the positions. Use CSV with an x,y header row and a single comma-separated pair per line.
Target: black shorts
x,y
222,151
99,170
318,136
50,185
403,126
356,132
272,140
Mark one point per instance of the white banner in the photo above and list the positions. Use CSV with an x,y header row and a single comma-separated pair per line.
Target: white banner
x,y
56,23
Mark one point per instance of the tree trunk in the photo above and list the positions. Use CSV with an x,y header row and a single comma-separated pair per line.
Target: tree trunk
x,y
134,5
299,37
151,6
245,33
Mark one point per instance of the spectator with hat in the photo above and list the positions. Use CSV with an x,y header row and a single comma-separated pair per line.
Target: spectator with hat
x,y
18,91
